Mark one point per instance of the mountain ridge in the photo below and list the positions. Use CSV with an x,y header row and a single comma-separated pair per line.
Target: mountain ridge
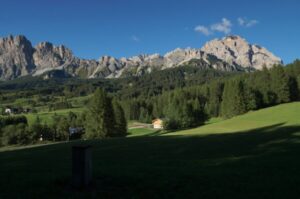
x,y
231,53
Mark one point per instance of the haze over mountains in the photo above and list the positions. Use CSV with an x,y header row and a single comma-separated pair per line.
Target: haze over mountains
x,y
232,53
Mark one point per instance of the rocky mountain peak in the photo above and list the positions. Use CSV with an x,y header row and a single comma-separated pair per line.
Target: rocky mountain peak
x,y
61,50
231,53
13,42
15,57
233,37
48,57
236,50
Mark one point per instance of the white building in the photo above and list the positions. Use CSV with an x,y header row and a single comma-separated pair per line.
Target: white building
x,y
157,123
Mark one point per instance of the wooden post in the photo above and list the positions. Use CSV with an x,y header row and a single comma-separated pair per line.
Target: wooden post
x,y
81,166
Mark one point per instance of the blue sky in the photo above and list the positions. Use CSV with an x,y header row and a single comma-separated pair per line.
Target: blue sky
x,y
92,28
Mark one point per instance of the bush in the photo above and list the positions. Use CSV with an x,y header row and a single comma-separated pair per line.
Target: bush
x,y
17,134
170,124
10,120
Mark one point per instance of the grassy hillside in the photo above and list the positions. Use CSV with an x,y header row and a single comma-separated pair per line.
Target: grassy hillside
x,y
251,156
46,117
78,104
285,115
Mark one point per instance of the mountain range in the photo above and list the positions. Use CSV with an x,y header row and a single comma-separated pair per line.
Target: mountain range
x,y
232,53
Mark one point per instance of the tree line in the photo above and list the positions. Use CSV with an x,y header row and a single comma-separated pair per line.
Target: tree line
x,y
225,97
43,92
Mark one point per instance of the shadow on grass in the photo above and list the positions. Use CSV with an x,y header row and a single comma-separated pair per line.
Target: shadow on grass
x,y
259,163
164,132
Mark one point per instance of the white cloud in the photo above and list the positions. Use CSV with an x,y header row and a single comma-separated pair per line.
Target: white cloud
x,y
246,23
252,23
224,26
204,30
241,21
135,38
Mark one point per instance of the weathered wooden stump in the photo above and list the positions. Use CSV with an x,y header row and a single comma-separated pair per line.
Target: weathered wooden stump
x,y
81,166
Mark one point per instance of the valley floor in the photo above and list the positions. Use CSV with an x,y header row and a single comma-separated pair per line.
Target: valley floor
x,y
255,155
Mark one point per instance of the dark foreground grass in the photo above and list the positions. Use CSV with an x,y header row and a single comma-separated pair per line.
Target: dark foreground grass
x,y
261,163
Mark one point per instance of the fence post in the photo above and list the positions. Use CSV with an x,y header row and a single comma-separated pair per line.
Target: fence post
x,y
81,166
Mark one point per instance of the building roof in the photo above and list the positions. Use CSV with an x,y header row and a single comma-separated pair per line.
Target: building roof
x,y
157,120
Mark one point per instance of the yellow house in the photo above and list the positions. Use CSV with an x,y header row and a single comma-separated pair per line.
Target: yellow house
x,y
157,123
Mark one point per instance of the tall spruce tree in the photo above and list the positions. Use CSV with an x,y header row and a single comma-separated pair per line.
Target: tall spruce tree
x,y
198,113
298,84
172,116
233,98
100,120
252,98
294,89
121,122
262,82
280,84
186,117
215,98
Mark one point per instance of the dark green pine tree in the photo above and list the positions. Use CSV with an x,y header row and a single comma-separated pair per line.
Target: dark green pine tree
x,y
227,101
172,113
198,113
100,120
170,121
134,110
186,118
298,83
121,122
215,98
262,83
294,88
252,99
156,110
109,117
143,115
233,99
280,84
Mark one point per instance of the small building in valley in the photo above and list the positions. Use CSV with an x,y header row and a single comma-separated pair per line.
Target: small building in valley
x,y
8,111
74,130
11,110
157,123
16,110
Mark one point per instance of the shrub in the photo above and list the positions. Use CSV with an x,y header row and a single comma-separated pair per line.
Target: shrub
x,y
17,134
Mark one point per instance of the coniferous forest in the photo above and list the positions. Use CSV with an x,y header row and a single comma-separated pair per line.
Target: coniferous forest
x,y
183,97
226,97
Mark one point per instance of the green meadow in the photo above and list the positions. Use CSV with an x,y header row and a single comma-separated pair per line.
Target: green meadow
x,y
255,155
46,116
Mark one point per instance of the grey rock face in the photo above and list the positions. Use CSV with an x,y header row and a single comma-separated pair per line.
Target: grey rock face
x,y
232,53
15,57
48,57
236,50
